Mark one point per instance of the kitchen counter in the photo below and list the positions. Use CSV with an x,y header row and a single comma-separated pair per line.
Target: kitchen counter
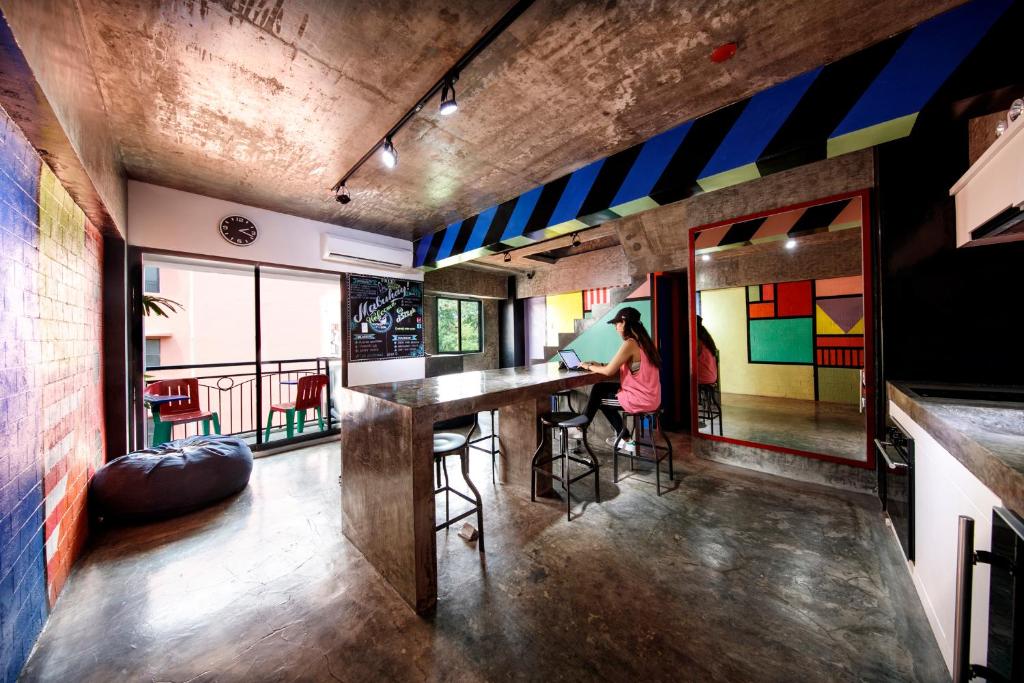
x,y
986,437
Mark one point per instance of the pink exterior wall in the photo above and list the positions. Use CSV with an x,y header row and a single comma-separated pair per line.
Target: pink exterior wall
x,y
300,318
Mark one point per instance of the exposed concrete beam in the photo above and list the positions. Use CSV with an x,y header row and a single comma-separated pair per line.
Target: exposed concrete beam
x,y
50,90
816,257
657,240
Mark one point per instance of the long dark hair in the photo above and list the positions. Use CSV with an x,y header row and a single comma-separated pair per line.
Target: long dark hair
x,y
636,331
704,337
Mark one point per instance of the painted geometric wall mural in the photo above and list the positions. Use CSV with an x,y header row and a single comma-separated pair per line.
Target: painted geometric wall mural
x,y
818,323
780,328
864,99
839,326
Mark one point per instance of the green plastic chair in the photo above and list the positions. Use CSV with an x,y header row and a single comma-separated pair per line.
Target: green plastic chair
x,y
166,415
307,397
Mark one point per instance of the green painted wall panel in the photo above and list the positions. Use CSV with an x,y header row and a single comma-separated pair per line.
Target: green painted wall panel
x,y
785,340
601,341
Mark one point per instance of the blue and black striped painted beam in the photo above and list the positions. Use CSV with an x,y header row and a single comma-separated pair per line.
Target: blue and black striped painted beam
x,y
868,98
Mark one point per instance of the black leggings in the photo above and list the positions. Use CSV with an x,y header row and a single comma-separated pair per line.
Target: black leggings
x,y
601,391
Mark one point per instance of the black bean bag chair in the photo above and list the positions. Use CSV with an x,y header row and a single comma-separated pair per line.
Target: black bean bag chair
x,y
170,479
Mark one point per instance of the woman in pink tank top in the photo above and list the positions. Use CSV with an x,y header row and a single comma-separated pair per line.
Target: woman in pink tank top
x,y
635,364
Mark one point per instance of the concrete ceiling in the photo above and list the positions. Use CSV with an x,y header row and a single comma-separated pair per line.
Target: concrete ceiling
x,y
269,102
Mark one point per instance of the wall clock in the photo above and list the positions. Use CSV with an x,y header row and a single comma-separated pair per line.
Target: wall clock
x,y
239,231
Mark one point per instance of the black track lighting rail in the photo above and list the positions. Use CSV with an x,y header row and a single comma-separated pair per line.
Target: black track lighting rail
x,y
506,20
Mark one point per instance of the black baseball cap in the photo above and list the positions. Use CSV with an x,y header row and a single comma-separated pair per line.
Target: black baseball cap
x,y
626,314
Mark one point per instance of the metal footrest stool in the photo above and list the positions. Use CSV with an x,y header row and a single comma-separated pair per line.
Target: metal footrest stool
x,y
495,444
446,444
556,407
709,407
645,449
563,422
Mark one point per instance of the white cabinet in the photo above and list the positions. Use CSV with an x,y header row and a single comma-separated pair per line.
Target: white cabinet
x,y
992,185
944,490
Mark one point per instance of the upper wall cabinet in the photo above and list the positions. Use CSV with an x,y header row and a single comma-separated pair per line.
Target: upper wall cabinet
x,y
990,196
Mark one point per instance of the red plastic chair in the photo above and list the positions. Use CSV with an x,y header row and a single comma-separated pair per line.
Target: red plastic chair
x,y
307,396
166,415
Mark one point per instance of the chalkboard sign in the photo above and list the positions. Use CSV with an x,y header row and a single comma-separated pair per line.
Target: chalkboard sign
x,y
385,318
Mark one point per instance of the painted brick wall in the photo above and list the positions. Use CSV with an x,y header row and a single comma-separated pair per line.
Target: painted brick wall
x,y
51,437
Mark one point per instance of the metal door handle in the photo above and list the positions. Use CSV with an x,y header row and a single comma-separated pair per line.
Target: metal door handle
x,y
881,445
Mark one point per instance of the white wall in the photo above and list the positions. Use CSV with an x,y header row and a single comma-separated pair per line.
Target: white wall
x,y
162,218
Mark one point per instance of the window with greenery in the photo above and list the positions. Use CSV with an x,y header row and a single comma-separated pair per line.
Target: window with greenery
x,y
459,326
151,275
152,353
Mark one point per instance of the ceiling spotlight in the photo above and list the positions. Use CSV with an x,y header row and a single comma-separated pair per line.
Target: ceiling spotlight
x,y
791,243
508,257
705,257
342,197
388,154
576,239
448,103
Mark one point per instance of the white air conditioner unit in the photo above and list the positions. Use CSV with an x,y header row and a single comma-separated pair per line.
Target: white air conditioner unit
x,y
366,254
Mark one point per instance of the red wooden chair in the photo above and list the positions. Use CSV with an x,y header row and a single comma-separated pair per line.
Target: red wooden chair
x,y
307,396
170,413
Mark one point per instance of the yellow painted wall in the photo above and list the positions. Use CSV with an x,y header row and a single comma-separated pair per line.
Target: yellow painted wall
x,y
562,312
726,320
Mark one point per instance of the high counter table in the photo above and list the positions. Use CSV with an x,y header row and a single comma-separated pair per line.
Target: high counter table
x,y
387,457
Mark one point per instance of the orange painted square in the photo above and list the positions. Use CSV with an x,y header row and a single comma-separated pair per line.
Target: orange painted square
x,y
768,292
762,310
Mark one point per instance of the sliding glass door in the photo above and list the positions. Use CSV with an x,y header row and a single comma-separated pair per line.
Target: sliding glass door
x,y
251,344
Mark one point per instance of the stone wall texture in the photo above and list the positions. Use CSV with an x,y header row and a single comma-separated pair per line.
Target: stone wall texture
x,y
51,421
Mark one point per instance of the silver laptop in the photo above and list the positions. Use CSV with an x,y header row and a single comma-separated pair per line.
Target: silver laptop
x,y
570,360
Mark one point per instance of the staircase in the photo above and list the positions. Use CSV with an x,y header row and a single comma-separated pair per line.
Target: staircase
x,y
580,325
616,295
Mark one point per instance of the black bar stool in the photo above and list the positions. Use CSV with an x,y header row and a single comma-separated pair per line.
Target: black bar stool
x,y
555,397
449,443
495,444
562,422
556,407
645,424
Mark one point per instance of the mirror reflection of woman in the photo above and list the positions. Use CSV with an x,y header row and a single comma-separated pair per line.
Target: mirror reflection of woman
x,y
707,355
635,364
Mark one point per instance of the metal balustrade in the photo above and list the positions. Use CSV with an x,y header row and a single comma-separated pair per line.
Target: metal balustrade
x,y
242,393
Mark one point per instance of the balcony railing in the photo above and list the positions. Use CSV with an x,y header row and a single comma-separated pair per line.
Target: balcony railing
x,y
241,394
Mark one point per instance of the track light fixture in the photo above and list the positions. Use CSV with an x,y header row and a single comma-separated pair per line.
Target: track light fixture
x,y
342,197
576,239
508,257
448,104
388,153
445,85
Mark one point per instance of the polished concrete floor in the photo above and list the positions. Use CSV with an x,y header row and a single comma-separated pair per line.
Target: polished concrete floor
x,y
828,428
731,576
